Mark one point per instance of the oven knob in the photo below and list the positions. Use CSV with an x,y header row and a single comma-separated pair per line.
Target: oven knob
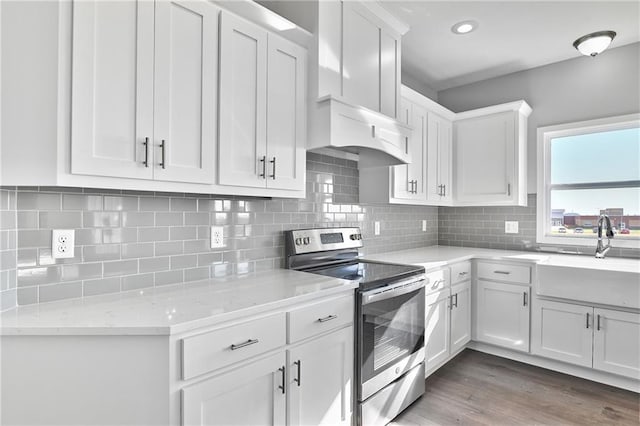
x,y
298,241
353,236
359,236
305,240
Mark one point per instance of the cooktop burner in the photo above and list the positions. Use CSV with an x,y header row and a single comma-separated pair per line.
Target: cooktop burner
x,y
369,274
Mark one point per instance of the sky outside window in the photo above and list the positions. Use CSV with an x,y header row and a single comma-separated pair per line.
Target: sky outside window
x,y
611,156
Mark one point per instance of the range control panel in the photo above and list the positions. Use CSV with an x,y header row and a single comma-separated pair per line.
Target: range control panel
x,y
322,239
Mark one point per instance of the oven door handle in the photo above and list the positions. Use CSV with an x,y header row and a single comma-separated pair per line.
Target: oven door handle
x,y
393,290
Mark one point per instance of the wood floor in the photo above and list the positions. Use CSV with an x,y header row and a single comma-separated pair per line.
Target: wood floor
x,y
481,389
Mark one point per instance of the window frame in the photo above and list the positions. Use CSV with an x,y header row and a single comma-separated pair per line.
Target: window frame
x,y
543,213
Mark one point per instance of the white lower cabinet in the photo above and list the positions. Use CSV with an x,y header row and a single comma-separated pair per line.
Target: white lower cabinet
x,y
447,318
604,339
503,315
320,380
307,382
249,395
460,316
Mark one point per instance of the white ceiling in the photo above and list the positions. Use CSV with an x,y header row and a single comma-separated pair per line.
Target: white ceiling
x,y
512,35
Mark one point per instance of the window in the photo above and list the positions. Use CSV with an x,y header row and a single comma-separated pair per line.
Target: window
x,y
586,169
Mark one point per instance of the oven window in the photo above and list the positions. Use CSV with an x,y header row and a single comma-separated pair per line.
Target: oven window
x,y
392,329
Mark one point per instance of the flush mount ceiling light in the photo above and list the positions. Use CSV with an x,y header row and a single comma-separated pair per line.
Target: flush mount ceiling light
x,y
464,27
594,43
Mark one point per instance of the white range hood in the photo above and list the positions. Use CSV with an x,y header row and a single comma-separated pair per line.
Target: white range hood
x,y
378,140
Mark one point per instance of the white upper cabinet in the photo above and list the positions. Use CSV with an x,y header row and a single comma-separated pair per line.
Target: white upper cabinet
x,y
371,60
490,155
144,90
262,123
439,149
409,180
185,91
427,178
112,88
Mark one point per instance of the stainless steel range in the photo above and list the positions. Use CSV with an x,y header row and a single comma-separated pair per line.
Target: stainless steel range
x,y
389,318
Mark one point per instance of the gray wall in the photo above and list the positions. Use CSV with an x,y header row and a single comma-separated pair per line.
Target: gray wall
x,y
127,240
578,89
420,87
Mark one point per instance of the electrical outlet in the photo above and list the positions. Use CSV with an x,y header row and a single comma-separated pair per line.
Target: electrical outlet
x,y
376,228
217,236
62,243
510,227
424,226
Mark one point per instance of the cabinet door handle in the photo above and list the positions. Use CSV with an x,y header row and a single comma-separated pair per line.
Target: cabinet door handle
x,y
162,148
146,152
273,176
587,319
598,322
444,190
524,298
373,131
297,379
263,160
284,383
502,272
327,318
244,344
451,303
509,189
455,304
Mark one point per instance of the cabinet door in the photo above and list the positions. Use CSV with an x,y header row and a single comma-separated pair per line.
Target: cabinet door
x,y
112,88
409,179
286,117
485,158
503,315
439,160
562,331
389,73
243,100
460,315
248,395
361,56
437,328
185,90
320,380
616,345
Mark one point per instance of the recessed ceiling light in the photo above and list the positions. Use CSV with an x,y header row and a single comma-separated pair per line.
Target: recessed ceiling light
x,y
464,27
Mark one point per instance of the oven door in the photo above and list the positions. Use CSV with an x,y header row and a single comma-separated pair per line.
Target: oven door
x,y
391,333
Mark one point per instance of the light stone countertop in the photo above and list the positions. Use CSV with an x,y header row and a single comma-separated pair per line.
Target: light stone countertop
x,y
433,257
172,309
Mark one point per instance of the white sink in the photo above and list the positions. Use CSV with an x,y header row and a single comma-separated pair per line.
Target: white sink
x,y
612,281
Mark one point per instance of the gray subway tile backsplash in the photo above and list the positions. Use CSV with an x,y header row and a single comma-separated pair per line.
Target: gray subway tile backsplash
x,y
131,240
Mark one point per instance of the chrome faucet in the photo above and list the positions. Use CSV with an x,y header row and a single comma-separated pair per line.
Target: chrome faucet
x,y
601,250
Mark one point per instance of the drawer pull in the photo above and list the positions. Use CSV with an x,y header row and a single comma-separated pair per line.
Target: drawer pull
x,y
502,272
297,379
462,274
524,298
327,318
244,344
598,322
284,384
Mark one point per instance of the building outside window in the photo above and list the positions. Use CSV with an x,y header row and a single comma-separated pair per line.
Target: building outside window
x,y
587,169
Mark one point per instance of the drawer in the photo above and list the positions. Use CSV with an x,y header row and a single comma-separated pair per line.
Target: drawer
x,y
501,272
313,319
436,280
460,272
219,348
